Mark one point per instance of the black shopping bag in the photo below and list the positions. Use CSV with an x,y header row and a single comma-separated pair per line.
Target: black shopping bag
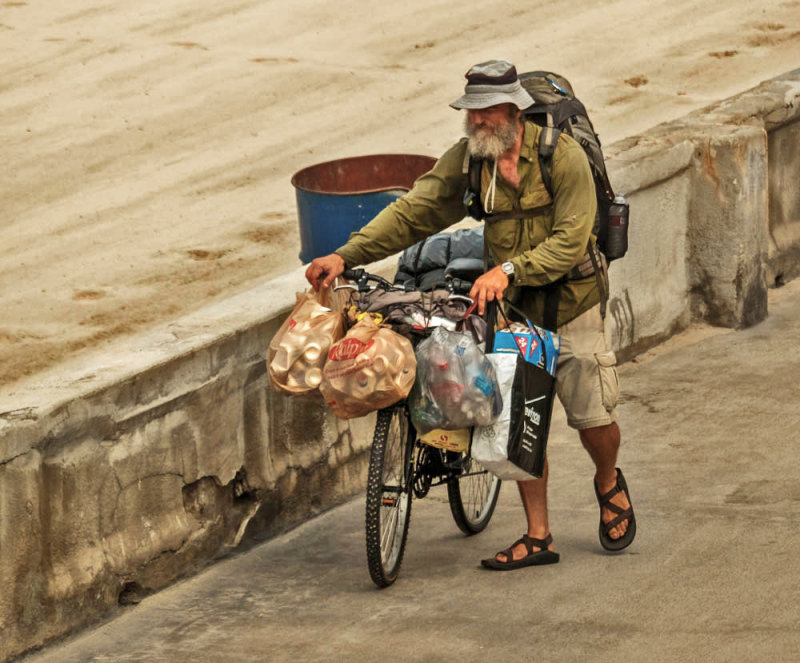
x,y
515,448
532,396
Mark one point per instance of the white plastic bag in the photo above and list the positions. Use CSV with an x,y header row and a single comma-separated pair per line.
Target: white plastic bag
x,y
490,443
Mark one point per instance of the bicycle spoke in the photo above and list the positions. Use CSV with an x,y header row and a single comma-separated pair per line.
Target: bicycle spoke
x,y
387,534
473,496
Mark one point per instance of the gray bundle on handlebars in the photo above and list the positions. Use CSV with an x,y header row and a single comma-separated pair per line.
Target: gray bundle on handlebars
x,y
443,256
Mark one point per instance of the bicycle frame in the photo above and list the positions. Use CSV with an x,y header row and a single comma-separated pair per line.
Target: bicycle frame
x,y
424,466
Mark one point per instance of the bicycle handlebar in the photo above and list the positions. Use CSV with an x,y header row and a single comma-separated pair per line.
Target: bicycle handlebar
x,y
363,278
352,274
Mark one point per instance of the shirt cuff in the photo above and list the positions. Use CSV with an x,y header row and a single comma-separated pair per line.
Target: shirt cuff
x,y
518,275
349,257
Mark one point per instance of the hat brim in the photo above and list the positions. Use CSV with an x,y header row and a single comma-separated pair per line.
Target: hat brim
x,y
477,100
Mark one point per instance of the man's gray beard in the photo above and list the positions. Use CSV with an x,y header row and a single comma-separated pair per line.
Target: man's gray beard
x,y
490,144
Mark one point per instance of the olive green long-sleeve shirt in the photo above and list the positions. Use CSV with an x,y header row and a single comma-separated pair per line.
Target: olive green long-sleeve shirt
x,y
542,247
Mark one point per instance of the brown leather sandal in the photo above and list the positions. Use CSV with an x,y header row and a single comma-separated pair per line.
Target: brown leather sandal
x,y
622,514
538,558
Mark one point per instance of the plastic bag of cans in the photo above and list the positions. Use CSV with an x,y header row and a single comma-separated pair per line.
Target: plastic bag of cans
x,y
371,368
298,351
456,385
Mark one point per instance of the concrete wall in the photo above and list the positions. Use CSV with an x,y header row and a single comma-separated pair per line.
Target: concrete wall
x,y
784,203
136,466
129,468
715,216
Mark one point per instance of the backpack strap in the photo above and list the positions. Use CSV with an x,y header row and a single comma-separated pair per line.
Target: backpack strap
x,y
599,272
472,196
522,214
552,293
547,146
548,139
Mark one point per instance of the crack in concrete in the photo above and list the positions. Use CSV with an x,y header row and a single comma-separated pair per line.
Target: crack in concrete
x,y
644,402
21,414
13,458
124,487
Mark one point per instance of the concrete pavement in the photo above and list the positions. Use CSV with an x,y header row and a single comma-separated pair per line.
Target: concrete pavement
x,y
709,424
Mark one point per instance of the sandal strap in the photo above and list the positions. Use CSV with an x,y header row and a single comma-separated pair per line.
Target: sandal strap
x,y
530,542
616,508
624,515
509,552
605,499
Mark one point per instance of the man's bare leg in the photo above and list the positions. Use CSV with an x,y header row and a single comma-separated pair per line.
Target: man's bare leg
x,y
534,501
602,443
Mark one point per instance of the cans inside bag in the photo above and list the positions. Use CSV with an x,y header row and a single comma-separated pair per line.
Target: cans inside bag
x,y
371,368
456,385
298,351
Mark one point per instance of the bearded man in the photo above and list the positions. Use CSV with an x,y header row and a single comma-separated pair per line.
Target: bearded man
x,y
536,240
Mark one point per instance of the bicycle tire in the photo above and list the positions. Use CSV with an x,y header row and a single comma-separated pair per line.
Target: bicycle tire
x,y
388,509
473,497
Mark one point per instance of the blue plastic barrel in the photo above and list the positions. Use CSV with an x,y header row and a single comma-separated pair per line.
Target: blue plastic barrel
x,y
337,198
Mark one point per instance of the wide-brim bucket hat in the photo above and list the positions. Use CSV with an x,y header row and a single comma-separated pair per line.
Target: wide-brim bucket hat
x,y
491,83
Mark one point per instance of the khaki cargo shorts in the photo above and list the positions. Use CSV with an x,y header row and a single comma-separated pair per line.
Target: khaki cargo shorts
x,y
586,379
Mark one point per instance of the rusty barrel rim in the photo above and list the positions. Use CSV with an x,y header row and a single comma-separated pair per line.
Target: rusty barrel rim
x,y
363,174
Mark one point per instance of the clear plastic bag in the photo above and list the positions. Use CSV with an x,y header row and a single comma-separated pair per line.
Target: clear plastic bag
x,y
297,353
456,386
371,368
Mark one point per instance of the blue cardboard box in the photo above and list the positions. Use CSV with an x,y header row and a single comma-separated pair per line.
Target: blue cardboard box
x,y
529,345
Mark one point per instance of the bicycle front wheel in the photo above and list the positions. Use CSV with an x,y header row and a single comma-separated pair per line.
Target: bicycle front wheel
x,y
388,511
473,496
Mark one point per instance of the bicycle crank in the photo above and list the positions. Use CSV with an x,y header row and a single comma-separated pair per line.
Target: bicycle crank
x,y
422,475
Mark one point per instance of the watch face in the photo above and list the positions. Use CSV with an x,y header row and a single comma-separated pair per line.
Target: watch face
x,y
508,268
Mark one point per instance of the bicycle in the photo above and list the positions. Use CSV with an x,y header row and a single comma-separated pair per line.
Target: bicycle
x,y
402,468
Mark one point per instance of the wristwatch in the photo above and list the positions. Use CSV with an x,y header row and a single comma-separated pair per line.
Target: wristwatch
x,y
508,270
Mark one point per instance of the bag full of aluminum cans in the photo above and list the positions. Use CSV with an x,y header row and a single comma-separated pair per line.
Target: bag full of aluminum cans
x,y
299,350
456,384
372,367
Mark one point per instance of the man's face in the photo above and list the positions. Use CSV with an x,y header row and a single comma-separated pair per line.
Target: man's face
x,y
492,131
492,117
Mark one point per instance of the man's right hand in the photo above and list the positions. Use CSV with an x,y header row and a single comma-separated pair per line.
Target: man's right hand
x,y
322,271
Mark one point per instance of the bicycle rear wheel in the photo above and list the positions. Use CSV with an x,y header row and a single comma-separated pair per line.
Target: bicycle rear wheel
x,y
388,511
473,496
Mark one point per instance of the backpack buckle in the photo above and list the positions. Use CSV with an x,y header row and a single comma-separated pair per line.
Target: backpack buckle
x,y
472,203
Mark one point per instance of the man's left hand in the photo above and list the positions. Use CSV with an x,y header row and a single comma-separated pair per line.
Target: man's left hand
x,y
489,287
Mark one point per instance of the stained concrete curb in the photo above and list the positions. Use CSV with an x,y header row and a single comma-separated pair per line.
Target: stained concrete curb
x,y
708,425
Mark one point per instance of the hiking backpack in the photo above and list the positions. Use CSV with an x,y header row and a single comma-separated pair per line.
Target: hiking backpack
x,y
556,109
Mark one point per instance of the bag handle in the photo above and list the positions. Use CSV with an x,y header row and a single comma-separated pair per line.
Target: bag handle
x,y
331,297
468,324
